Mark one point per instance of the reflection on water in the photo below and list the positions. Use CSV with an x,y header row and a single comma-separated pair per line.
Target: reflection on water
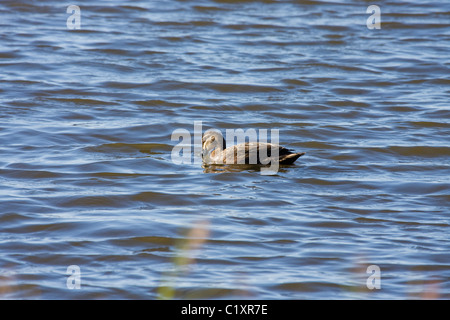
x,y
252,168
87,178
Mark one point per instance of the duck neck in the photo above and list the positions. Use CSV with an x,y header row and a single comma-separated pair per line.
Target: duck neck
x,y
219,147
215,152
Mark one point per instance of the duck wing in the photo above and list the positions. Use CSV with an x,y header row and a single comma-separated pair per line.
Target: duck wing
x,y
258,153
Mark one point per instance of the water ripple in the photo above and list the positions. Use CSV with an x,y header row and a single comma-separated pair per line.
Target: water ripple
x,y
87,178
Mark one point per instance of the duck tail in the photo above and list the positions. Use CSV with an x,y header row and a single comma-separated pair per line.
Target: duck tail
x,y
290,158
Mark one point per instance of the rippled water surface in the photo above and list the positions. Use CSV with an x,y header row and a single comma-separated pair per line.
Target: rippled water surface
x,y
87,178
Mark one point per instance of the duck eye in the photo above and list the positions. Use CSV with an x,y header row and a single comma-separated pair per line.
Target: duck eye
x,y
213,138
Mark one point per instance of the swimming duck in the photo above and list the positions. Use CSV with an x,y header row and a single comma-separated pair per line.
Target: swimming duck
x,y
214,151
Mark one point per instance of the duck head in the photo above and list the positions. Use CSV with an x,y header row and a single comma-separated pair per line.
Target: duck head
x,y
212,141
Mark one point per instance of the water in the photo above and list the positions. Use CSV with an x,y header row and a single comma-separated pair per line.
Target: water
x,y
87,178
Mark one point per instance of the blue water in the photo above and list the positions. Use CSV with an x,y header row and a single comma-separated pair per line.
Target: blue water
x,y
87,177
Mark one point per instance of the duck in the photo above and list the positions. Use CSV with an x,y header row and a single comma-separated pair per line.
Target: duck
x,y
214,151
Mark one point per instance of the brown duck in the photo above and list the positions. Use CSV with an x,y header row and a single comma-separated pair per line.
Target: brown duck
x,y
214,151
